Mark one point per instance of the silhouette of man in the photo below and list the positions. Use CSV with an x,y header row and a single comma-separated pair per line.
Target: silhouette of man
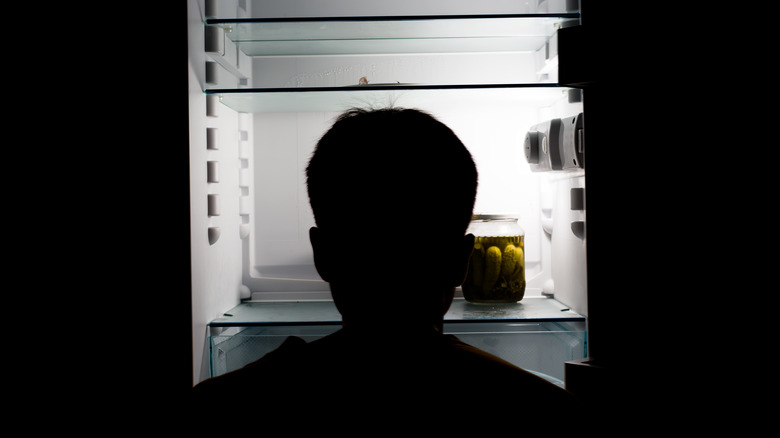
x,y
392,191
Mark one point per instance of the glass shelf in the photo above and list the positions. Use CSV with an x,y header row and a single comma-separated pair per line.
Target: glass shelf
x,y
514,332
379,35
303,54
531,309
519,343
400,95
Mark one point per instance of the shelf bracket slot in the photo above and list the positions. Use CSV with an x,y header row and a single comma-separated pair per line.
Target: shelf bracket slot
x,y
225,52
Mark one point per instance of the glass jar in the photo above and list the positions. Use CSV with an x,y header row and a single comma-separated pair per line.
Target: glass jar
x,y
497,268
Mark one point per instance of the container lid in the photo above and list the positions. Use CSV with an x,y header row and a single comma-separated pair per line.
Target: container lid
x,y
483,217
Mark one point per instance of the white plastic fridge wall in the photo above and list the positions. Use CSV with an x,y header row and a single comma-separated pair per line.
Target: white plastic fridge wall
x,y
216,269
281,217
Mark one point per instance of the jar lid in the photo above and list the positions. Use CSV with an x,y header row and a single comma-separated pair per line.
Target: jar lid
x,y
489,217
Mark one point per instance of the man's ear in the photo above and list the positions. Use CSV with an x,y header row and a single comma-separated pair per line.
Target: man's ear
x,y
320,248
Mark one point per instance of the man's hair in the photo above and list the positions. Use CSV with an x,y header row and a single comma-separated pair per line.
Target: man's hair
x,y
394,169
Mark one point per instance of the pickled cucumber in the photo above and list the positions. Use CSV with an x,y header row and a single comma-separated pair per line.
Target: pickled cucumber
x,y
496,274
492,267
517,279
509,262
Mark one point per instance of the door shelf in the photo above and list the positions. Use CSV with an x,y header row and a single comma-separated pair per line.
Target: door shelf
x,y
252,100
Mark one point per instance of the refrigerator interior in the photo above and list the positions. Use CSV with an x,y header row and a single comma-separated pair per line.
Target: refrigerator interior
x,y
262,94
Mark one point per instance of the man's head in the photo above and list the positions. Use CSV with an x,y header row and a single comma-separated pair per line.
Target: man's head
x,y
392,192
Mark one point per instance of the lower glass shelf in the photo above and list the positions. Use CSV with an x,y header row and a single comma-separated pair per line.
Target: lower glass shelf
x,y
536,334
540,347
301,313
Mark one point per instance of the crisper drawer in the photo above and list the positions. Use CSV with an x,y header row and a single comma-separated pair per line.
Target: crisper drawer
x,y
235,347
540,347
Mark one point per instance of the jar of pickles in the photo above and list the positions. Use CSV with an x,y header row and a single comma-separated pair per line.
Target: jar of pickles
x,y
497,268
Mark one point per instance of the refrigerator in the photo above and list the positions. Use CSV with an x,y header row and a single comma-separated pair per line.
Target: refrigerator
x,y
513,81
